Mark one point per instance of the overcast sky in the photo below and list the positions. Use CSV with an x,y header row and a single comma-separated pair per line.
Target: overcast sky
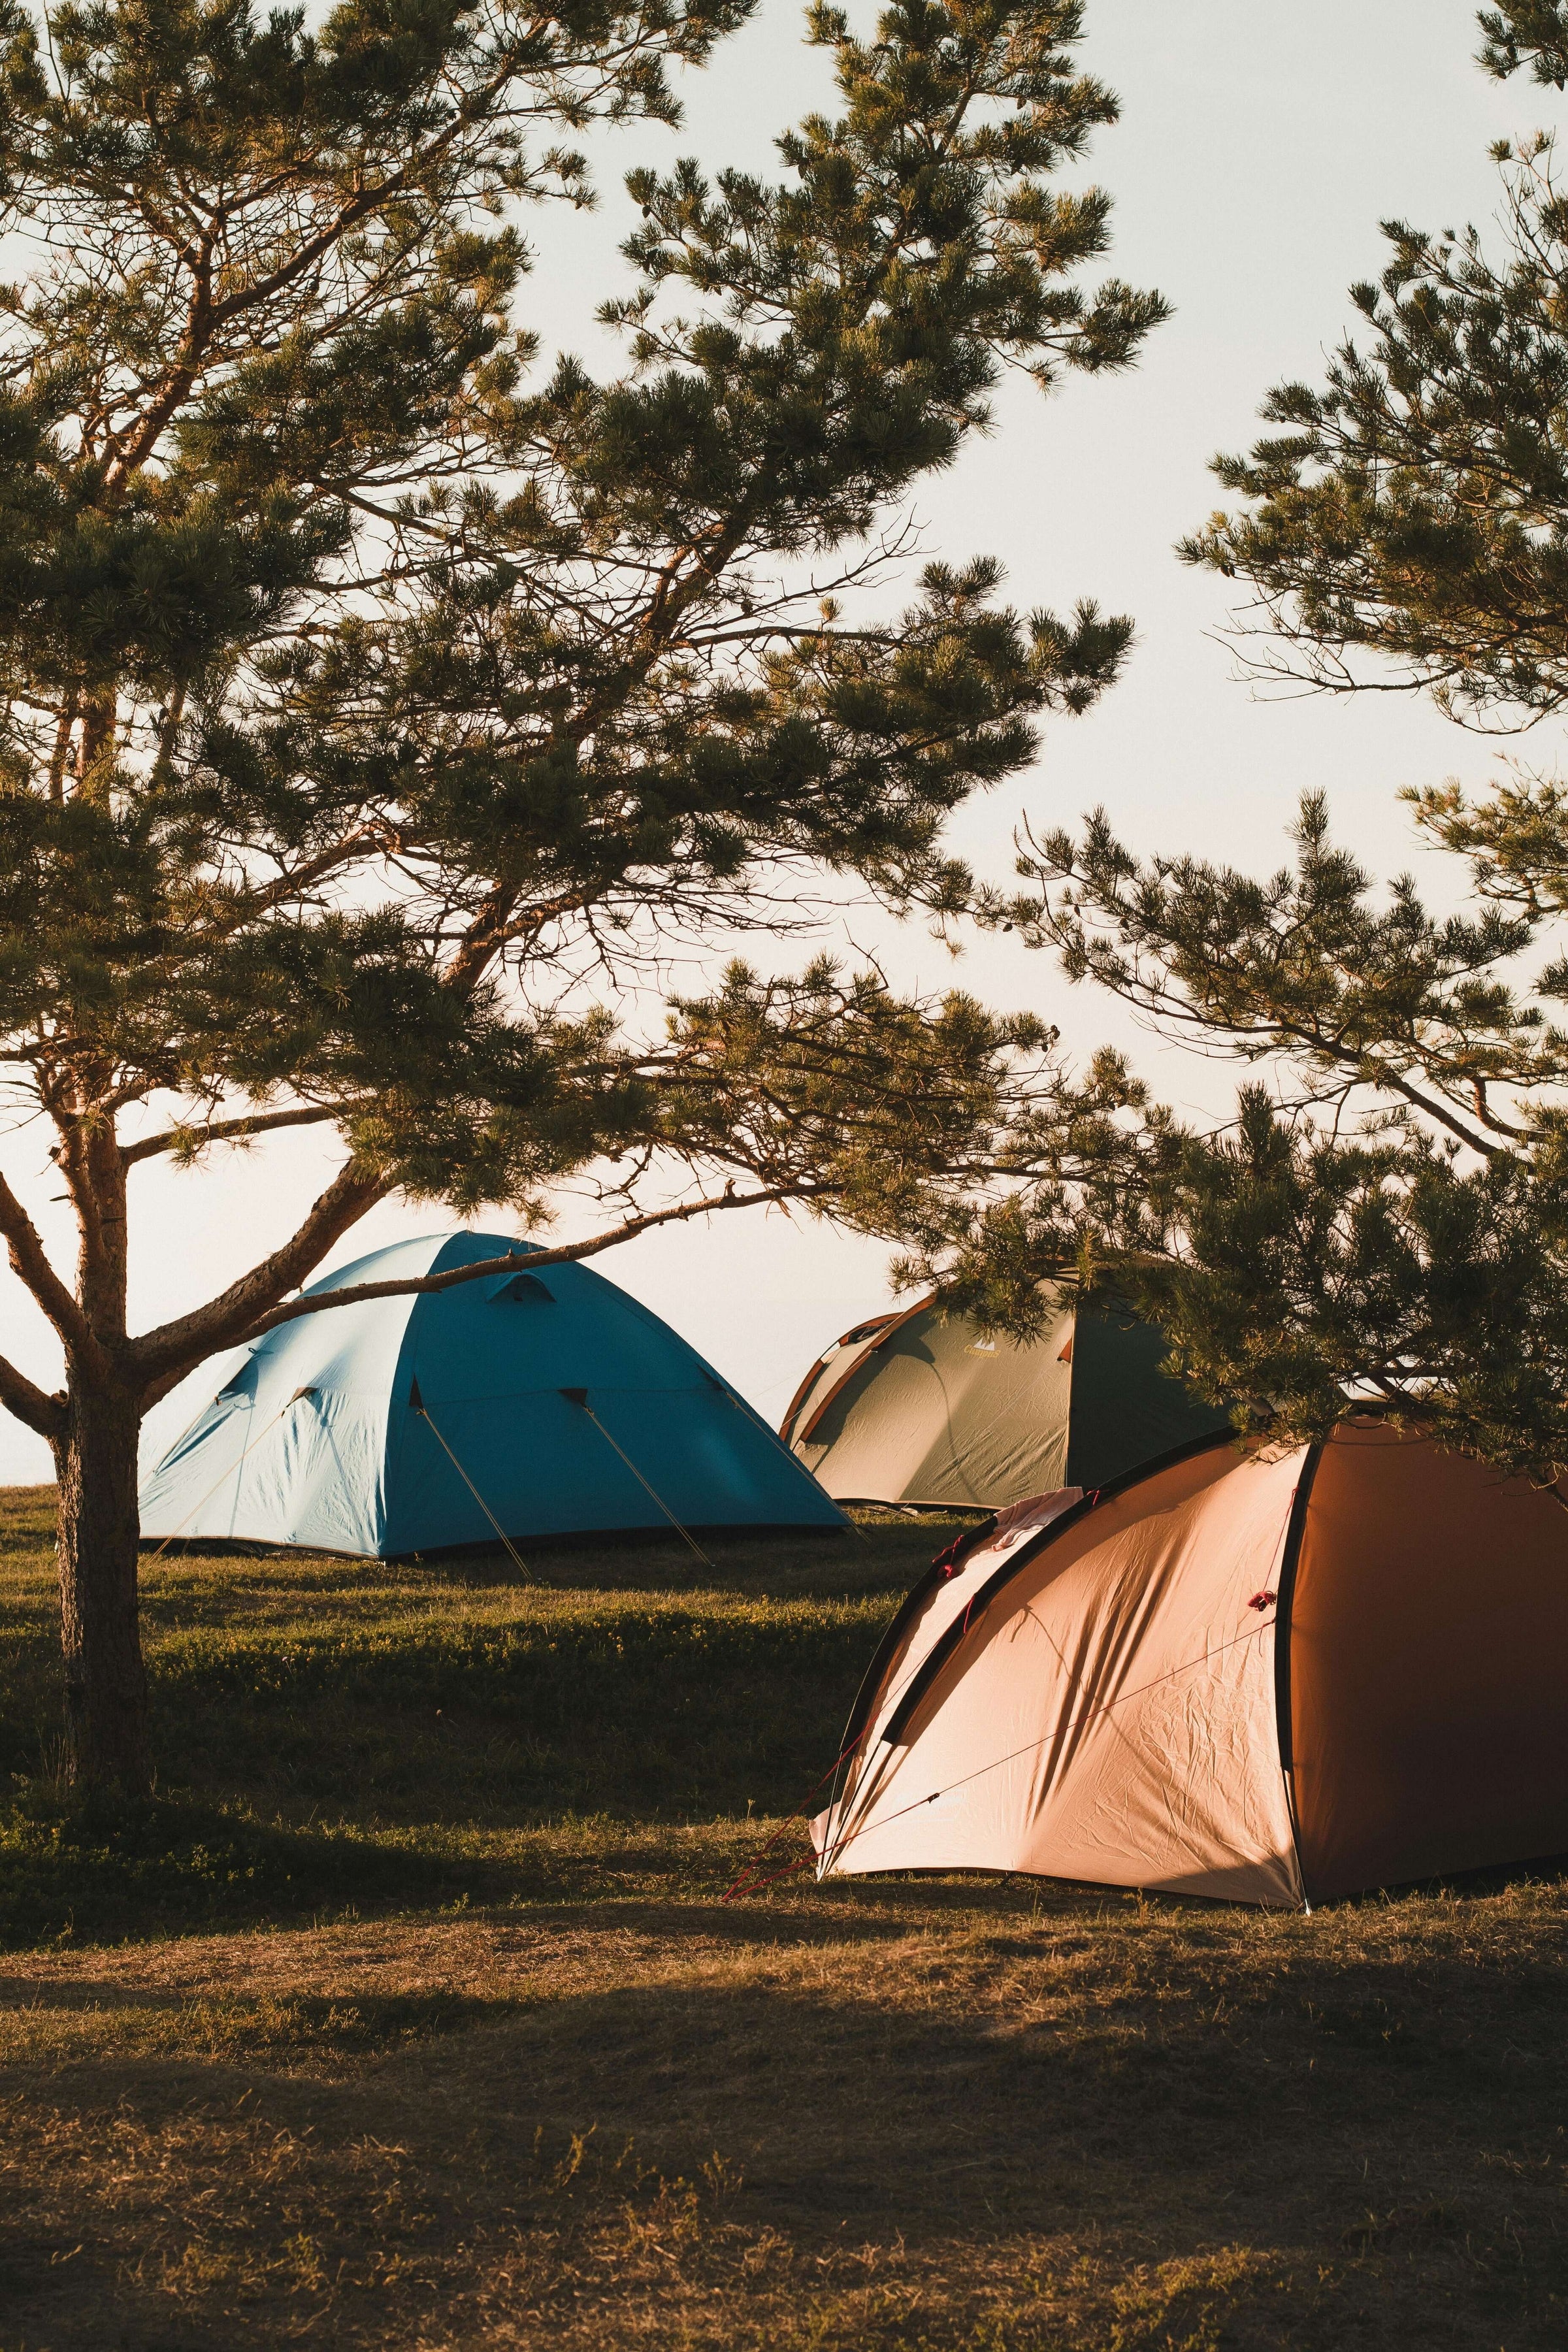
x,y
1260,147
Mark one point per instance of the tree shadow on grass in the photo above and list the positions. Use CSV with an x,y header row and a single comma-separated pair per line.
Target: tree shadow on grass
x,y
92,1872
1344,2128
753,1563
99,1872
252,2026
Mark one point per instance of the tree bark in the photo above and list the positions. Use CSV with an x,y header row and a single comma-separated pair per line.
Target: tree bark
x,y
108,1742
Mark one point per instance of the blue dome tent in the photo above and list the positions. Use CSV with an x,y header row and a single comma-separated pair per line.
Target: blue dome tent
x,y
539,1404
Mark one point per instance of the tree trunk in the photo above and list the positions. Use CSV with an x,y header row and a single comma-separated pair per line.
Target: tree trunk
x,y
107,1740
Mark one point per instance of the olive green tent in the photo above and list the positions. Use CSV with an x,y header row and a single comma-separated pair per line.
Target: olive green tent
x,y
921,1409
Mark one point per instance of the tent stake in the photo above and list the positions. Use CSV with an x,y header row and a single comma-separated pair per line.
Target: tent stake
x,y
579,1397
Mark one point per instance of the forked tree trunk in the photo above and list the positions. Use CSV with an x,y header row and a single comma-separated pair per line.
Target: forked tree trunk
x,y
107,1745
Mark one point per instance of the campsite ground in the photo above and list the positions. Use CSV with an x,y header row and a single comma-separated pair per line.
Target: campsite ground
x,y
409,2015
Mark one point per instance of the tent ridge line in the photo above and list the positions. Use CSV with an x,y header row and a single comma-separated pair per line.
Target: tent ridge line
x,y
941,1650
895,1324
883,1655
876,1326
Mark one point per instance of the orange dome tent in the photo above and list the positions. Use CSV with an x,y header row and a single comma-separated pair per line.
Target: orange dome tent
x,y
1276,1678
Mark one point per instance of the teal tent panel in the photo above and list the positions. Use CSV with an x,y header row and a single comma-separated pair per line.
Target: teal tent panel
x,y
546,1468
324,1485
196,1488
315,1440
308,1473
492,1358
293,1448
521,1335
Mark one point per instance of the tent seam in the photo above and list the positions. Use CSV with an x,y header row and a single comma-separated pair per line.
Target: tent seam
x,y
931,1665
803,1435
1284,1712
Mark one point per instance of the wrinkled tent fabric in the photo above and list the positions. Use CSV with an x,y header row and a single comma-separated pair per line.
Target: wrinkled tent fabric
x,y
337,1457
1108,1715
916,1408
1270,1679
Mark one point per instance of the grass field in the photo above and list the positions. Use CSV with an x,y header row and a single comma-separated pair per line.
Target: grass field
x,y
409,2014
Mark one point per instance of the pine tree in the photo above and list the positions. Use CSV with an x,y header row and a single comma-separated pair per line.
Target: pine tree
x,y
1526,32
1387,1214
380,706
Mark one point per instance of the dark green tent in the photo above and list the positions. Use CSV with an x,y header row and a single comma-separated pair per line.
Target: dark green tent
x,y
918,1408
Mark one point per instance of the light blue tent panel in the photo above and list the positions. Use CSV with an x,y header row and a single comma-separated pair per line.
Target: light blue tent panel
x,y
326,1437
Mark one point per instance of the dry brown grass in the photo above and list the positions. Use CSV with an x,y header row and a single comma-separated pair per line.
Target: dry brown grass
x,y
609,2111
1004,2118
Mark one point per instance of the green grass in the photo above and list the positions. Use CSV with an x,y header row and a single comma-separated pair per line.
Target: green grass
x,y
336,1733
409,2013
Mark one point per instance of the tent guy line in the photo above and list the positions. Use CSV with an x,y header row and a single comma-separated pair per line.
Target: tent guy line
x,y
417,1404
1058,1731
579,1397
744,1884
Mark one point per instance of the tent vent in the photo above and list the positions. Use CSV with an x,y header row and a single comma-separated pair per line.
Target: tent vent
x,y
576,1396
1065,1355
523,1290
415,1401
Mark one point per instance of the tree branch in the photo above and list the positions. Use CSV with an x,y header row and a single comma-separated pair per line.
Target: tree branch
x,y
44,1413
30,1265
229,1131
530,1261
1178,1013
177,1347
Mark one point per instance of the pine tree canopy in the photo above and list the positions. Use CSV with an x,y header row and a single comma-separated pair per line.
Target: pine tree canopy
x,y
384,706
1526,32
1415,508
1386,1215
377,704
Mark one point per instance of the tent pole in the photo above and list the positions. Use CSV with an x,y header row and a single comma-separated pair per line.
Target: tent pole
x,y
579,1397
1284,1611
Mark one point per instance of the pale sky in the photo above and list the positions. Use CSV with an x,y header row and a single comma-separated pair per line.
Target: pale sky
x,y
1260,145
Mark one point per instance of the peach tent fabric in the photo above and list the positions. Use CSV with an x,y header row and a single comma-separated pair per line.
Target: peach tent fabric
x,y
1429,1666
1270,1678
1110,1717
